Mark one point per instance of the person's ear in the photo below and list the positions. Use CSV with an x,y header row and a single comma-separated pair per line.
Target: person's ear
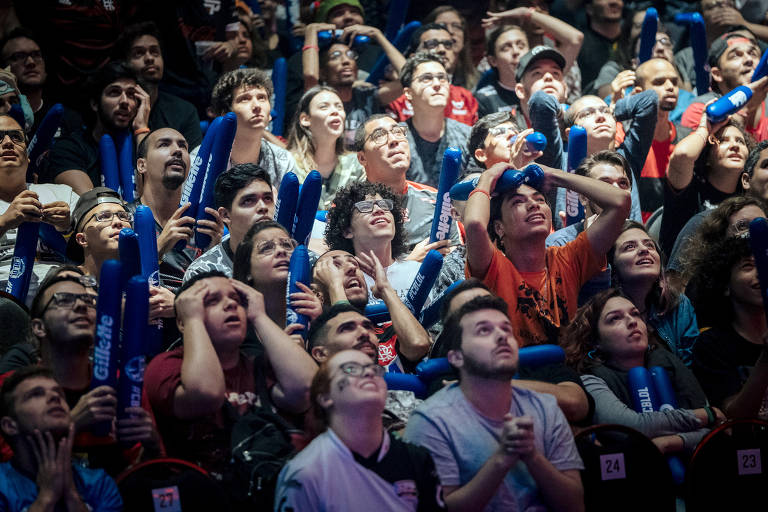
x,y
324,401
520,91
498,228
480,155
456,358
38,328
491,60
319,354
141,165
348,234
224,214
361,158
408,94
304,120
745,181
717,75
94,106
80,239
567,131
9,426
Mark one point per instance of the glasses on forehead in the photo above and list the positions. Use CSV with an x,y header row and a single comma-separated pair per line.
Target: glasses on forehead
x,y
367,205
592,111
336,54
108,215
501,131
267,247
67,300
431,44
380,135
16,136
356,369
15,57
428,78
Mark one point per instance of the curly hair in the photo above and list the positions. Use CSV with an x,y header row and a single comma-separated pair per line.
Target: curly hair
x,y
224,91
710,275
340,216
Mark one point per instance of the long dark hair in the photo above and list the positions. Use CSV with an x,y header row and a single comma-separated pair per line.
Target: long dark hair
x,y
241,266
465,70
301,143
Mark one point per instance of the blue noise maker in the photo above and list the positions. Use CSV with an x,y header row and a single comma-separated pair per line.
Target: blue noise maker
x,y
400,41
193,185
728,104
762,68
306,207
406,382
327,37
144,223
130,255
107,338
698,36
758,240
664,389
577,151
644,398
225,136
441,223
536,141
431,314
53,239
43,139
23,260
398,9
133,350
532,175
299,272
648,34
422,283
108,160
280,84
684,18
287,198
540,355
377,312
125,165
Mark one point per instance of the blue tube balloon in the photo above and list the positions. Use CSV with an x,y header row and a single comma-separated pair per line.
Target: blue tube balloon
x,y
23,260
43,139
280,84
309,198
577,151
287,198
398,9
125,165
758,240
644,398
532,175
648,34
698,35
130,255
144,223
441,223
728,104
193,185
326,37
108,160
299,272
52,239
132,360
422,283
762,68
431,314
684,18
225,136
535,141
406,382
377,312
401,42
664,389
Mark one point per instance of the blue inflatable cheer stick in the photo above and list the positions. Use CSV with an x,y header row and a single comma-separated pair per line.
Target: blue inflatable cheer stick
x,y
648,34
133,350
700,52
125,165
287,198
441,222
23,260
309,198
299,272
431,314
280,84
144,222
423,281
43,139
108,160
400,42
577,151
130,255
728,104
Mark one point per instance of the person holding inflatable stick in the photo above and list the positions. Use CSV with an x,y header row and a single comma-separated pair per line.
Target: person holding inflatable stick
x,y
606,362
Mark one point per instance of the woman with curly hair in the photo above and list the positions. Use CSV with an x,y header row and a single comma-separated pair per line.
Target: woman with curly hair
x,y
731,359
637,270
316,142
368,218
606,339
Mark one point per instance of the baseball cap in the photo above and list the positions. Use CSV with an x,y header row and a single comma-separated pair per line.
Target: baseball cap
x,y
328,5
87,202
535,54
719,45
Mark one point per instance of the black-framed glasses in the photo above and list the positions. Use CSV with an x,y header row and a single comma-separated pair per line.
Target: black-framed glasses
x,y
354,369
380,136
267,247
591,111
428,78
139,51
431,44
336,54
15,57
16,136
67,300
108,215
367,205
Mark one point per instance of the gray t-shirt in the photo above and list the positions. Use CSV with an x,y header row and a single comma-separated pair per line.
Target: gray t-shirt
x,y
456,134
420,203
461,440
218,257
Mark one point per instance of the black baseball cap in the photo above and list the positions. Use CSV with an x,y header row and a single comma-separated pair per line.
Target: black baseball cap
x,y
721,44
87,202
535,54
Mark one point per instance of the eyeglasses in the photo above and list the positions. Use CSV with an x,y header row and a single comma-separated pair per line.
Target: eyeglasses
x,y
268,247
15,57
66,300
380,135
108,215
500,131
336,54
367,205
428,78
591,111
431,44
139,51
356,369
17,136
665,42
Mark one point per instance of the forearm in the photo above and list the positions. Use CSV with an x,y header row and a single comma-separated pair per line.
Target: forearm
x,y
561,490
75,503
413,339
760,31
569,395
477,493
544,111
479,246
393,54
389,92
747,402
310,60
43,503
609,198
680,170
336,292
202,378
75,178
568,38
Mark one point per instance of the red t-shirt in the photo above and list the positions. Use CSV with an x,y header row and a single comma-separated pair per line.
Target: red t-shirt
x,y
540,303
693,113
461,107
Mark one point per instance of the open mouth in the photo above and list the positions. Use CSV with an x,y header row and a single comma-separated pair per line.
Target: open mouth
x,y
366,347
177,164
645,261
353,283
232,320
82,321
379,220
335,124
285,264
535,217
503,350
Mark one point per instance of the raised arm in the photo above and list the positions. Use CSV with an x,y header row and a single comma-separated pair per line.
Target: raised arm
x,y
393,54
680,170
477,214
310,54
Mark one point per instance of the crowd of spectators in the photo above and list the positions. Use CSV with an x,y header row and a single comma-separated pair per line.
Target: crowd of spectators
x,y
264,412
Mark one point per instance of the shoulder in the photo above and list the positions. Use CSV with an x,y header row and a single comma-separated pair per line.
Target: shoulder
x,y
460,129
419,189
318,452
166,361
174,101
486,91
441,404
59,191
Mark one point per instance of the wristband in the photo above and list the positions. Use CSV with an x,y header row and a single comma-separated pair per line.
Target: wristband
x,y
310,47
141,130
710,415
480,191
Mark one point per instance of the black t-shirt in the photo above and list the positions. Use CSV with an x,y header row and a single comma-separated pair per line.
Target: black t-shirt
x,y
595,51
495,98
426,150
75,150
364,103
722,361
171,111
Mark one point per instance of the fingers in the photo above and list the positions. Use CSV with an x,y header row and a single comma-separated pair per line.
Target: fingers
x,y
291,329
180,211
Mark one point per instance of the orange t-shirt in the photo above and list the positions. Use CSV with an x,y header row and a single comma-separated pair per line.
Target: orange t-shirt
x,y
540,303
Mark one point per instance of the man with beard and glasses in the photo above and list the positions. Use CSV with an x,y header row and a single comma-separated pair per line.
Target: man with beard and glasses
x,y
162,166
115,100
141,49
35,421
495,445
